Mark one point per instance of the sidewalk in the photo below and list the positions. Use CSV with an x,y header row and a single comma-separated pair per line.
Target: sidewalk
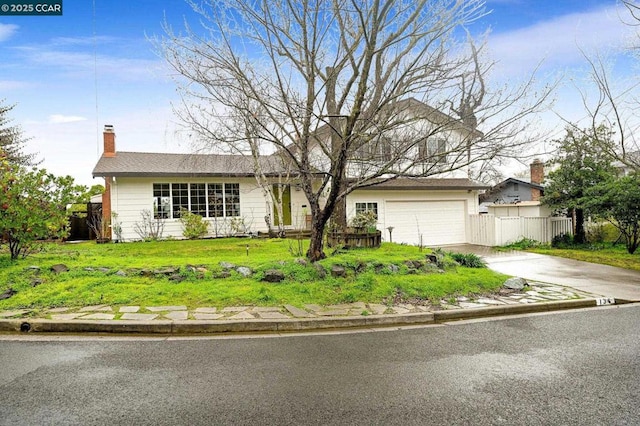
x,y
181,319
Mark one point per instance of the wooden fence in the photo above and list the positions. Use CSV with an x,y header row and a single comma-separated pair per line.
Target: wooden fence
x,y
489,230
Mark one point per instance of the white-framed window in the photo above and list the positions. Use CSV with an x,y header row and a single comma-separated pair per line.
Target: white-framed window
x,y
433,150
204,199
161,200
365,207
376,149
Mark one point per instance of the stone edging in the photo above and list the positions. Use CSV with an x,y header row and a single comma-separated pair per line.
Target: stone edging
x,y
284,325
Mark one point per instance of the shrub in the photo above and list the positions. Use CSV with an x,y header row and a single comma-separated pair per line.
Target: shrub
x,y
192,225
149,228
469,260
562,241
367,219
523,244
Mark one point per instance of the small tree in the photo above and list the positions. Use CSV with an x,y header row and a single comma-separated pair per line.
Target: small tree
x,y
618,201
192,225
32,206
150,227
583,162
12,140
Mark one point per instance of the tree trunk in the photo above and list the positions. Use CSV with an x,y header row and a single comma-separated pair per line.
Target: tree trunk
x,y
581,236
316,243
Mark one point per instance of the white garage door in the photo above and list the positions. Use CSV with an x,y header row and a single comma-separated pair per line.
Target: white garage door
x,y
439,222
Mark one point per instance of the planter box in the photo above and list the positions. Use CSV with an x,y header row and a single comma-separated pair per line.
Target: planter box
x,y
352,239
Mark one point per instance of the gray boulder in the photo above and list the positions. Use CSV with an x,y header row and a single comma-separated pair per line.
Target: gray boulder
x,y
273,276
59,268
394,269
244,271
338,271
515,283
322,273
227,265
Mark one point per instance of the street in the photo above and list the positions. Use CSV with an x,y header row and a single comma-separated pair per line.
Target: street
x,y
580,367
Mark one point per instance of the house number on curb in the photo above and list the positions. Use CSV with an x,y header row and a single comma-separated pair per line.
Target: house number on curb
x,y
605,301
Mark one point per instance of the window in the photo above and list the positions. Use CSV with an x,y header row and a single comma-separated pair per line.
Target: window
x,y
198,199
231,199
433,150
378,149
180,198
204,199
161,201
216,199
365,207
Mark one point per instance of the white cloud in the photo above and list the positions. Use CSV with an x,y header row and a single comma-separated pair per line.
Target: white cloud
x,y
559,42
59,118
7,30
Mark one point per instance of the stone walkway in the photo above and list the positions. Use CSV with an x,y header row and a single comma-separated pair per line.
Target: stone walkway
x,y
537,293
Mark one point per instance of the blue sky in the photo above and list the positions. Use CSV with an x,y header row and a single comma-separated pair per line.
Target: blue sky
x,y
72,74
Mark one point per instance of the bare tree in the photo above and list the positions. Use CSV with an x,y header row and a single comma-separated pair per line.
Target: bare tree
x,y
616,104
349,93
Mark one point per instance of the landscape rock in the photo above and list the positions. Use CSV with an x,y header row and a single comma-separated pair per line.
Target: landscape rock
x,y
33,268
338,271
432,258
301,261
393,268
322,273
273,276
177,278
227,265
59,268
414,264
36,282
121,273
244,271
7,294
222,275
166,271
104,270
146,272
515,283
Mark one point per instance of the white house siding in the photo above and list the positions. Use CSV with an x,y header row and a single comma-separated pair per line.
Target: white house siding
x,y
439,216
130,196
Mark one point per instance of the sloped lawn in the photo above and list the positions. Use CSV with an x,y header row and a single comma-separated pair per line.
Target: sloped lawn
x,y
605,255
139,274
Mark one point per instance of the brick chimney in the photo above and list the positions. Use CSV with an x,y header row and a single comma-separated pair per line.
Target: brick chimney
x,y
537,176
109,141
109,151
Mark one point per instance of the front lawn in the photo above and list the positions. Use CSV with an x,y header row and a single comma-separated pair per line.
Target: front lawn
x,y
605,254
136,274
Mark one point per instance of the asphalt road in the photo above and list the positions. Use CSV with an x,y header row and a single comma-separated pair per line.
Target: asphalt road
x,y
570,368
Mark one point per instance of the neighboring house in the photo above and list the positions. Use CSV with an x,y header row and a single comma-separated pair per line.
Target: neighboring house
x,y
631,164
513,192
224,190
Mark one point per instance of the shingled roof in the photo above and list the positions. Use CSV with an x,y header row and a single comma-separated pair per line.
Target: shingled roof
x,y
147,164
427,183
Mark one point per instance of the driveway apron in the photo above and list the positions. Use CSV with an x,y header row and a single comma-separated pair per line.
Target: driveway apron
x,y
602,280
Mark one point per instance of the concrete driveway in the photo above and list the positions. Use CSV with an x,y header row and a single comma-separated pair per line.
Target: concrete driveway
x,y
602,280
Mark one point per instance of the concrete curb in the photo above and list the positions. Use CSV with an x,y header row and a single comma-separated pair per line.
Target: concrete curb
x,y
188,327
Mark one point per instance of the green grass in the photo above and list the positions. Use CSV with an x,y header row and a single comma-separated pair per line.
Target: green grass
x,y
605,254
302,285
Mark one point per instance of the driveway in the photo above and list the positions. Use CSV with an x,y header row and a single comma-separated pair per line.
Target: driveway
x,y
602,280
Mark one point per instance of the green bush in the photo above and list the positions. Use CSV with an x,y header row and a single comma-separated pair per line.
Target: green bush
x,y
562,241
192,225
523,244
469,260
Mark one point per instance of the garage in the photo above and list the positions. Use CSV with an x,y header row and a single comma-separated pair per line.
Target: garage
x,y
439,222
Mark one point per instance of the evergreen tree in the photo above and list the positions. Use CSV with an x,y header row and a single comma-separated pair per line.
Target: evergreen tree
x,y
583,162
12,140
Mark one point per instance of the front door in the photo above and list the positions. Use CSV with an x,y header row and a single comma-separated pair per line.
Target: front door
x,y
284,191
